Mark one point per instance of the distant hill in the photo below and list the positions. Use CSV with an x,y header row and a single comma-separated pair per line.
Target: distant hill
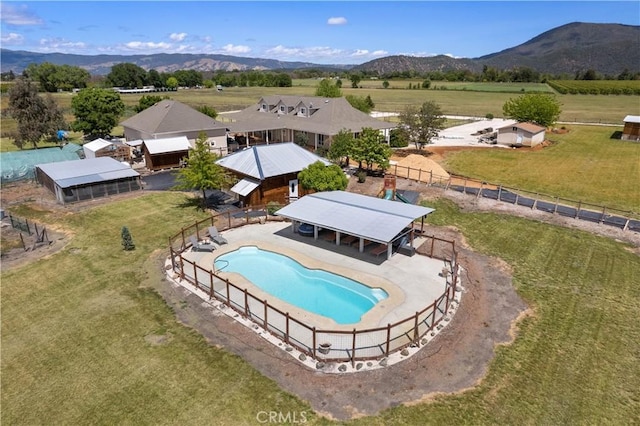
x,y
605,48
18,60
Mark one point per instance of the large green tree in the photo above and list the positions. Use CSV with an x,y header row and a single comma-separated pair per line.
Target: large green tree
x,y
37,118
201,171
422,123
97,111
370,148
539,108
53,78
341,146
127,75
320,177
327,89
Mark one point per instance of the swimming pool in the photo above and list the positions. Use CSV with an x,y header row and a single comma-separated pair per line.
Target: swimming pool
x,y
321,292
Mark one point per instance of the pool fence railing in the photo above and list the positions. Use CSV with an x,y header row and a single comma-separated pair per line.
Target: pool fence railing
x,y
322,345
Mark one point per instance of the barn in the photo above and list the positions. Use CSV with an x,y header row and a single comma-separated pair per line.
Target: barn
x,y
79,180
631,131
165,153
268,172
521,134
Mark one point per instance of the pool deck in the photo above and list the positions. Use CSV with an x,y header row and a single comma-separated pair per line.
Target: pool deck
x,y
412,282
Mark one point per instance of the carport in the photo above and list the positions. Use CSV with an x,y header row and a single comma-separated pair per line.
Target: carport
x,y
367,218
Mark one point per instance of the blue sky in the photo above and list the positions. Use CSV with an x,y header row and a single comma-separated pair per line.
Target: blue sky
x,y
328,32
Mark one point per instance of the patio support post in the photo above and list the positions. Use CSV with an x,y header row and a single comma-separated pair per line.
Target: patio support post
x,y
415,329
228,292
246,303
210,285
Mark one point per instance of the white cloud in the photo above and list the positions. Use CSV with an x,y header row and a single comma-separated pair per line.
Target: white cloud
x,y
304,53
379,53
178,36
235,49
360,52
12,38
146,45
18,15
337,21
61,45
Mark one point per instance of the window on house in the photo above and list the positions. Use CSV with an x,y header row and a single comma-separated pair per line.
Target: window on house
x,y
282,109
303,111
321,139
264,107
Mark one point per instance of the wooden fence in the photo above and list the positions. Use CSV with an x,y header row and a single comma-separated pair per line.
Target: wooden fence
x,y
325,345
623,219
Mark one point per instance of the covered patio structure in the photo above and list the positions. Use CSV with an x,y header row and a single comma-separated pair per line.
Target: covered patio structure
x,y
358,217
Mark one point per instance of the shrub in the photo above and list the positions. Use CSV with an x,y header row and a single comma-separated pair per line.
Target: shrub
x,y
273,207
127,241
361,175
489,116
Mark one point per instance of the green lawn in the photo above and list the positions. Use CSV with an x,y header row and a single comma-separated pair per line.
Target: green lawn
x,y
74,326
584,164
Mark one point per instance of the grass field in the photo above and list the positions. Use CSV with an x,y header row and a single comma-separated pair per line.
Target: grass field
x,y
584,164
575,108
78,327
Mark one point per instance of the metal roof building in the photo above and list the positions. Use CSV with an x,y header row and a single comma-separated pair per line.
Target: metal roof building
x,y
367,218
79,180
265,163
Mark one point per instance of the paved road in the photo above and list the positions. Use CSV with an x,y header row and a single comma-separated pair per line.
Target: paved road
x,y
588,215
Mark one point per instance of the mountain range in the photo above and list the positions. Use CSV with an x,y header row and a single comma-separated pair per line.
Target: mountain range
x,y
605,48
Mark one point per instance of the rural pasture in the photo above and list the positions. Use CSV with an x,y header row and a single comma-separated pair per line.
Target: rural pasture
x,y
86,338
482,99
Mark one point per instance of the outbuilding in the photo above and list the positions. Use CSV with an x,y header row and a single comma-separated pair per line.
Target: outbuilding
x,y
104,148
269,172
79,180
521,134
631,131
165,153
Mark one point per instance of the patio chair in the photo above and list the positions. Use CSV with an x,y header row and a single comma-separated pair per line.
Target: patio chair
x,y
215,236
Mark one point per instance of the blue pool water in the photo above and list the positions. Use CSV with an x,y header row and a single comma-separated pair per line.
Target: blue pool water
x,y
314,290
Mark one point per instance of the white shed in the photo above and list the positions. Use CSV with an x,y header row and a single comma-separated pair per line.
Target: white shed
x,y
521,134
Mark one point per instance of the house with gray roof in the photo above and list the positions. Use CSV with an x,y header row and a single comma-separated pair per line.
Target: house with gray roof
x,y
290,118
268,172
170,119
79,180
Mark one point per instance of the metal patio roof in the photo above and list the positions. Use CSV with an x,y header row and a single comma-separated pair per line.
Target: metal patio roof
x,y
161,146
245,186
81,172
374,219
